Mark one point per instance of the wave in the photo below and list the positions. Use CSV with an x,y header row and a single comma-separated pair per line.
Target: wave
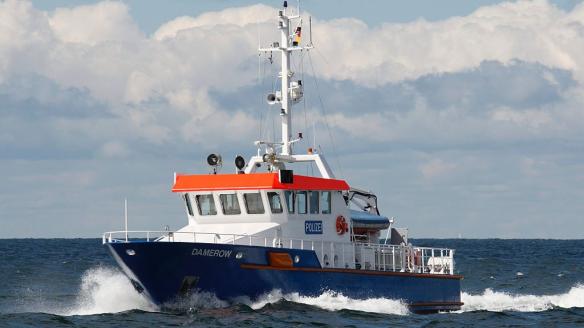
x,y
102,290
495,301
328,300
196,301
106,290
335,301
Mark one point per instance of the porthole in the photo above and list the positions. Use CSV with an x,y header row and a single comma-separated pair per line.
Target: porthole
x,y
296,259
130,252
239,255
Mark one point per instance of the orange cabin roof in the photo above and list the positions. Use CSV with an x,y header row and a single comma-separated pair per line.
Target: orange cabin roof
x,y
210,182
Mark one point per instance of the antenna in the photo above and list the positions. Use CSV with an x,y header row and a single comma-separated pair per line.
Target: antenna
x,y
126,217
291,90
310,28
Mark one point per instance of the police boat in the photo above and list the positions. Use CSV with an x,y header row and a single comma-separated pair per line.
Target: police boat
x,y
267,228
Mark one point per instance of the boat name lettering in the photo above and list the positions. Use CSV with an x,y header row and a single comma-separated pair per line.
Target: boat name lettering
x,y
313,227
211,252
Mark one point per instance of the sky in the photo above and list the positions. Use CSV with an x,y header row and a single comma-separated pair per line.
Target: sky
x,y
464,117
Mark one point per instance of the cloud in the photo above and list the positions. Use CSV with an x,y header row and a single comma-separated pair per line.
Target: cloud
x,y
239,17
493,104
93,61
485,108
503,70
531,31
530,119
106,21
436,167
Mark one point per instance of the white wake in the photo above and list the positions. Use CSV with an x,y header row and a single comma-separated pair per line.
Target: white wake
x,y
495,301
328,301
334,301
106,290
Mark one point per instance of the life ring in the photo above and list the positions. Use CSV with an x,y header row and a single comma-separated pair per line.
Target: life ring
x,y
342,225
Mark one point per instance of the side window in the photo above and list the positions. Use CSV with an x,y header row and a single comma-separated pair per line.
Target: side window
x,y
313,202
230,204
290,197
253,203
188,202
325,202
275,203
206,204
301,202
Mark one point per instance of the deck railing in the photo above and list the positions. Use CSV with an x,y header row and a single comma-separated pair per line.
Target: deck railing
x,y
358,255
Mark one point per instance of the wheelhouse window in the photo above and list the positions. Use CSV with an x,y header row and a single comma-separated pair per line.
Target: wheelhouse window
x,y
253,203
275,202
290,197
325,202
230,204
189,206
313,197
206,204
301,202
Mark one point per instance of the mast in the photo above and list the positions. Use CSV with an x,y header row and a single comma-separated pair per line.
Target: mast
x,y
291,92
284,26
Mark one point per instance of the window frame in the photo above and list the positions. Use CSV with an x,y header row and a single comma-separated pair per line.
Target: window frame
x,y
330,202
305,210
293,194
261,202
275,193
234,195
189,205
310,199
212,211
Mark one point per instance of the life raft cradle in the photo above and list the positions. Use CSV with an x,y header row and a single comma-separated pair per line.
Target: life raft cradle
x,y
368,221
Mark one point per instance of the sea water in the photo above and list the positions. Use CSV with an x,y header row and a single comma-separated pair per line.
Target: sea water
x,y
74,282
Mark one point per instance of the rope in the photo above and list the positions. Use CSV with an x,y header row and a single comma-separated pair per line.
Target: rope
x,y
260,82
305,112
325,116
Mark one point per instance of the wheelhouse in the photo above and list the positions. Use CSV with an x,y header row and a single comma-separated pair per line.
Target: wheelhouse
x,y
292,206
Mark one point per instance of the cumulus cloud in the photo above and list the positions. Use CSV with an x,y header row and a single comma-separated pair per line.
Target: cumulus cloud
x,y
504,70
92,24
532,31
240,17
146,90
84,83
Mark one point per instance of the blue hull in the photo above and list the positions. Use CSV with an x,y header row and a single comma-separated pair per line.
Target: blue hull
x,y
165,271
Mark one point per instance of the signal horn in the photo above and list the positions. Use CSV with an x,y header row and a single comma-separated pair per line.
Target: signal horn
x,y
214,160
239,162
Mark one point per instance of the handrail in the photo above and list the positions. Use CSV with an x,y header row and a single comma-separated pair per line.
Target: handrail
x,y
358,255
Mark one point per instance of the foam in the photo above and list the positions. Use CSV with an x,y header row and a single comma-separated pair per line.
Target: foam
x,y
334,301
106,290
495,301
196,301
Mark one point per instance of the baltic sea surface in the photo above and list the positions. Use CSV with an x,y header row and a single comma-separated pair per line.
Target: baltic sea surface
x,y
75,283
